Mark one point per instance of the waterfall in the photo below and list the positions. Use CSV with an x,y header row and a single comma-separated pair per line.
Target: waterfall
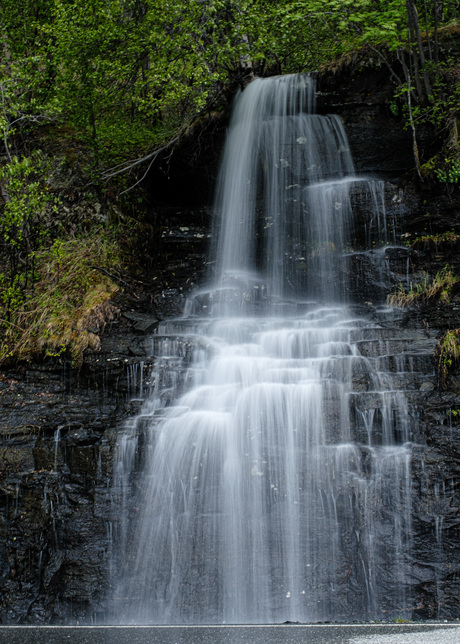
x,y
267,479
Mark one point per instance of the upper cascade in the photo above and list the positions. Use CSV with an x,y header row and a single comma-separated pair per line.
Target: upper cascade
x,y
283,212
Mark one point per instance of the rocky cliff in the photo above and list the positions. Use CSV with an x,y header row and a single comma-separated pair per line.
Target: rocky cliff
x,y
58,425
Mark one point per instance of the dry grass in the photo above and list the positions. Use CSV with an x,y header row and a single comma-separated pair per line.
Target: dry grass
x,y
69,305
447,355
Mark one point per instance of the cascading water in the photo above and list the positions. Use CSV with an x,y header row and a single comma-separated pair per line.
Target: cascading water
x,y
267,478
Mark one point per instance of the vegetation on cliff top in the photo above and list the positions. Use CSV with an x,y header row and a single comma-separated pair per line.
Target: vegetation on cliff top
x,y
130,75
67,305
123,80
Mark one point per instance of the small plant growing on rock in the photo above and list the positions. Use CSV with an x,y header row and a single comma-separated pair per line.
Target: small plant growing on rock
x,y
448,239
454,416
400,620
447,355
440,287
450,173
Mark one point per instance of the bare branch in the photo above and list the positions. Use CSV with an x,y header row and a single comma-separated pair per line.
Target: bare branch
x,y
32,118
129,165
414,135
140,180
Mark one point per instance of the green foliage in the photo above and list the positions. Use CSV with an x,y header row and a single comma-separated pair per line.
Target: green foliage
x,y
51,293
440,288
453,415
152,65
400,620
124,78
289,36
128,75
428,242
451,171
25,188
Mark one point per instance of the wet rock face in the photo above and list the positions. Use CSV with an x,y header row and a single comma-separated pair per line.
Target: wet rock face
x,y
58,427
57,432
363,95
436,557
55,444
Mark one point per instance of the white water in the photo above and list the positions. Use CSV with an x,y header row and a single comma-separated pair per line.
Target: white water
x,y
267,479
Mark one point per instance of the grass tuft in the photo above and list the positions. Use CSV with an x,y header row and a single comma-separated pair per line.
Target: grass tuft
x,y
68,305
440,287
447,355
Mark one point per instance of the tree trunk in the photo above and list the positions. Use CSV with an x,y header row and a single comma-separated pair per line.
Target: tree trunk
x,y
417,51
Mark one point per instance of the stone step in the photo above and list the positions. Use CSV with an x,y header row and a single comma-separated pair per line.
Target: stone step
x,y
377,347
391,333
406,363
374,399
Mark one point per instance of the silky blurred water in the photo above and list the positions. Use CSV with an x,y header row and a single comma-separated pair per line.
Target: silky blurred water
x,y
268,477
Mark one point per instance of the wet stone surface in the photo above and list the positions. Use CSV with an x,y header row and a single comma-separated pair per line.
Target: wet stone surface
x,y
285,634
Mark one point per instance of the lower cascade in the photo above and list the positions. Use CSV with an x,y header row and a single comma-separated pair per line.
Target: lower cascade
x,y
268,476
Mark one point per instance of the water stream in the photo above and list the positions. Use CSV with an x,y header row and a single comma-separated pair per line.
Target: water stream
x,y
267,479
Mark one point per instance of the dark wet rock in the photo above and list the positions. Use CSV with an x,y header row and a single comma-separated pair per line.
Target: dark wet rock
x,y
142,322
362,95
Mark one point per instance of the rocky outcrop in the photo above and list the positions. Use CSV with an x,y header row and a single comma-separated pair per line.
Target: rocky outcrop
x,y
56,440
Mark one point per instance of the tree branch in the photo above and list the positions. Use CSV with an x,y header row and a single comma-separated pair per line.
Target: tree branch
x,y
129,165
